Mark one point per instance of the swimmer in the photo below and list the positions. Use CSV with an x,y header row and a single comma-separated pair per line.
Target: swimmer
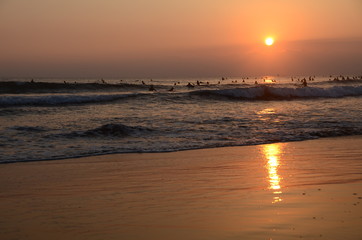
x,y
151,88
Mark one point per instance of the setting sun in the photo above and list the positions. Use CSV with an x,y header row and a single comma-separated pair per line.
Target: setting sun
x,y
269,41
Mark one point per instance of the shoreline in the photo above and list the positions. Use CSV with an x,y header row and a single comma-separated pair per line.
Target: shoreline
x,y
175,151
309,189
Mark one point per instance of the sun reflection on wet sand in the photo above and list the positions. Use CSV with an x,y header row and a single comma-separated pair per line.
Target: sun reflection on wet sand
x,y
272,154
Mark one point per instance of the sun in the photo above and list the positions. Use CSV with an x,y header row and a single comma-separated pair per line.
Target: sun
x,y
269,41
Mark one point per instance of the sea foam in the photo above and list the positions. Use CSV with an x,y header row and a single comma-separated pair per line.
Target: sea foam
x,y
48,100
266,92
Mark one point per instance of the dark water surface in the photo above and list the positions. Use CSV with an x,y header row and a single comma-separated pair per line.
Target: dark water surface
x,y
63,118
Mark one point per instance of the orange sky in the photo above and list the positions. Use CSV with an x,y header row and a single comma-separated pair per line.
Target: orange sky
x,y
142,38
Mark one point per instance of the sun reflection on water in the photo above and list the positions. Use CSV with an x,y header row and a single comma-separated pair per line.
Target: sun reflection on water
x,y
272,154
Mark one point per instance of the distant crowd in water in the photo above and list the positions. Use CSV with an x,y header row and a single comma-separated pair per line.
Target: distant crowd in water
x,y
343,78
300,81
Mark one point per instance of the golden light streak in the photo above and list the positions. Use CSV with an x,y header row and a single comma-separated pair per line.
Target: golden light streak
x,y
272,154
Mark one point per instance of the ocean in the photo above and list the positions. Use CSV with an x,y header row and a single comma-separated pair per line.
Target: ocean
x,y
47,119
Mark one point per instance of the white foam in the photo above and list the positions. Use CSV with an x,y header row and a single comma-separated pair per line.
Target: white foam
x,y
59,99
286,93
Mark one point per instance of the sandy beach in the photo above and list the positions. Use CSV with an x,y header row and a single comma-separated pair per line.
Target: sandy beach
x,y
309,190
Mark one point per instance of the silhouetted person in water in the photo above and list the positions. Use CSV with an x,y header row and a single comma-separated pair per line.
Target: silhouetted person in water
x,y
171,89
151,88
189,85
304,82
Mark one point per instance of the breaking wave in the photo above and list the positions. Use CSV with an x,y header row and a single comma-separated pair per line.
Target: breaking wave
x,y
266,93
251,93
55,100
17,87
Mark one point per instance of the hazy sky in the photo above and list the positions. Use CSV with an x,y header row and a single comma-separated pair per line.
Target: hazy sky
x,y
165,38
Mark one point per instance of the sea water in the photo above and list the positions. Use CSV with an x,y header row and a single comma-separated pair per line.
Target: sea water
x,y
45,119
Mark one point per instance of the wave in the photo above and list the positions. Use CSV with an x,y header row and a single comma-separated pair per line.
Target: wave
x,y
55,100
346,81
283,93
15,87
111,130
29,129
250,93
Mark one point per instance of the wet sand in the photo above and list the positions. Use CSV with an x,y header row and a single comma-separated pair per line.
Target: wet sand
x,y
308,190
